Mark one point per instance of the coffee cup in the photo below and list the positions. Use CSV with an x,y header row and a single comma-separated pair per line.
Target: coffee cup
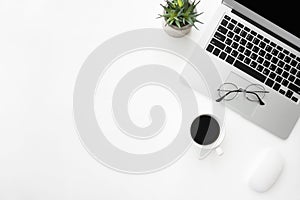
x,y
207,135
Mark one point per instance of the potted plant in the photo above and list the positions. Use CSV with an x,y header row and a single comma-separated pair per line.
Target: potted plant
x,y
179,17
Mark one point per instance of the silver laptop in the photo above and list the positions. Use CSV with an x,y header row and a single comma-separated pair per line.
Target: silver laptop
x,y
255,42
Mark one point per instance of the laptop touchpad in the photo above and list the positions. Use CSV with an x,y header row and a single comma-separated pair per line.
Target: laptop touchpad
x,y
241,104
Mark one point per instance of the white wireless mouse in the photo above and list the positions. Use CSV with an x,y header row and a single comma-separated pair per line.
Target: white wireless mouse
x,y
266,171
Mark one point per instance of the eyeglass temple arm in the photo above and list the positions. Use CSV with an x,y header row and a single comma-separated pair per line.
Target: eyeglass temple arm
x,y
259,99
225,95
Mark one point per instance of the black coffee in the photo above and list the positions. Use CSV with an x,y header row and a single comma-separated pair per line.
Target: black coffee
x,y
205,130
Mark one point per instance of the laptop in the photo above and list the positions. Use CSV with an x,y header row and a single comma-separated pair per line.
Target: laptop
x,y
257,42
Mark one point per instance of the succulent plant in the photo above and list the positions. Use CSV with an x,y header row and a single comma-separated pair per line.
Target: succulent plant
x,y
180,13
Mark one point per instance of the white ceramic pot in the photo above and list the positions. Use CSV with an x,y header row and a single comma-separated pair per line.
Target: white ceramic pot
x,y
174,31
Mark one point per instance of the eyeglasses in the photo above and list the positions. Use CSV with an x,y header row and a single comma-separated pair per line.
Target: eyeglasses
x,y
254,92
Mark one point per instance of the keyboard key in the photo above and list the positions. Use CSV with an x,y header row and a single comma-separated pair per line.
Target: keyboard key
x,y
281,56
235,45
249,37
218,43
289,94
273,44
247,52
279,48
230,34
272,67
297,82
243,41
216,51
298,66
260,68
210,48
292,55
228,41
269,48
268,56
228,49
223,55
281,91
269,82
287,59
243,34
280,64
266,72
286,52
294,88
240,25
236,38
285,82
293,71
230,26
256,41
294,63
298,74
247,61
233,21
234,53
285,74
287,67
224,22
219,36
255,49
253,64
278,79
250,71
298,59
262,45
266,63
278,71
237,30
241,49
253,33
295,99
274,52
291,78
274,60
247,29
230,59
249,45
266,40
262,53
276,86
253,56
272,75
227,17
260,36
260,60
222,29
241,57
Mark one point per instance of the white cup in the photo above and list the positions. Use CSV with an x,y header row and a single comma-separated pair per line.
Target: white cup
x,y
207,135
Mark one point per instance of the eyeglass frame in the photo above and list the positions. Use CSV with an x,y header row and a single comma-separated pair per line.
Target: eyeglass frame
x,y
245,91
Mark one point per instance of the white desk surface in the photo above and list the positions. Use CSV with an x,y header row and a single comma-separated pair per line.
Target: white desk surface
x,y
42,46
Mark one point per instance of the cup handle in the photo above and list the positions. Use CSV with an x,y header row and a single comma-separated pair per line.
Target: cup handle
x,y
219,151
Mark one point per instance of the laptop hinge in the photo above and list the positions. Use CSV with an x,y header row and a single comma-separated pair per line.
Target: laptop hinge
x,y
226,4
266,30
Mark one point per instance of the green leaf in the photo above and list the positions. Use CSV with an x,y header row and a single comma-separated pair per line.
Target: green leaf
x,y
178,24
180,3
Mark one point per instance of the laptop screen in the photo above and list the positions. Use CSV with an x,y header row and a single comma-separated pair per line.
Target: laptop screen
x,y
284,13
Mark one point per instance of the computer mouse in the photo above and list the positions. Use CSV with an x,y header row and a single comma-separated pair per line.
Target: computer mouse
x,y
266,171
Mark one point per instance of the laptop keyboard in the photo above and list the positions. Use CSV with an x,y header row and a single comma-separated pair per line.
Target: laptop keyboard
x,y
257,56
